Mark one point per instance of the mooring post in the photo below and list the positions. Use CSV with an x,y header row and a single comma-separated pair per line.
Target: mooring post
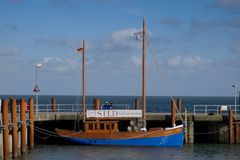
x,y
179,105
96,103
5,131
237,133
23,127
53,104
136,103
31,126
185,127
230,115
173,112
14,128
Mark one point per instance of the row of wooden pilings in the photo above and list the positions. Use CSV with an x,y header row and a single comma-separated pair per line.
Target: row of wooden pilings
x,y
17,128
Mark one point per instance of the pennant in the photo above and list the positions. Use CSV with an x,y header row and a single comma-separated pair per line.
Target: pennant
x,y
79,50
138,35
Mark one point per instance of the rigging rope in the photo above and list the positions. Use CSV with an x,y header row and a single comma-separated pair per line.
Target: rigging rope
x,y
77,100
161,75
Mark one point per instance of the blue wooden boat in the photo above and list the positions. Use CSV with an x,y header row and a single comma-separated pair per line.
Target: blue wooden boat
x,y
168,137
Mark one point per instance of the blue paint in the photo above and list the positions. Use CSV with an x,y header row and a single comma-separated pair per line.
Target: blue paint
x,y
164,141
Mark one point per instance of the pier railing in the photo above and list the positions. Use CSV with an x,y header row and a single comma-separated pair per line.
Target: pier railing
x,y
46,110
74,107
215,109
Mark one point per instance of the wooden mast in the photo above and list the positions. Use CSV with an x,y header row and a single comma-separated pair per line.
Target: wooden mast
x,y
144,71
83,82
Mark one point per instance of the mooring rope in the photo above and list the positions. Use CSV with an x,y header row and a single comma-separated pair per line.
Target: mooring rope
x,y
213,132
52,133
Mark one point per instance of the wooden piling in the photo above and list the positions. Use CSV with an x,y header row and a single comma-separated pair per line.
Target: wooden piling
x,y
53,104
173,112
136,103
31,126
94,102
23,127
5,131
14,128
179,105
185,127
237,133
230,118
97,103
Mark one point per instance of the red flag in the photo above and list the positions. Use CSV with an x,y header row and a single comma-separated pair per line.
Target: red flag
x,y
79,50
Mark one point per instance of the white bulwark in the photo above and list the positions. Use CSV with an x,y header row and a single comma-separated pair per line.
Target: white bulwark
x,y
114,113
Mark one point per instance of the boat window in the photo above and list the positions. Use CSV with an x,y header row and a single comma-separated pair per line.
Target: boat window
x,y
101,126
90,126
108,126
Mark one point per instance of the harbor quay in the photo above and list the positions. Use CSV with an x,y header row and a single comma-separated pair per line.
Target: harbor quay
x,y
22,127
199,128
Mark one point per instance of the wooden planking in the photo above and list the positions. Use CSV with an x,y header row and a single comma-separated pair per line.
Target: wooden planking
x,y
119,135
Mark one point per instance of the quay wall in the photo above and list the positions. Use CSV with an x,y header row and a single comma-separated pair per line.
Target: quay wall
x,y
199,128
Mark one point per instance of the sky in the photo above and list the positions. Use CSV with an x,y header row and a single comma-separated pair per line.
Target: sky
x,y
193,46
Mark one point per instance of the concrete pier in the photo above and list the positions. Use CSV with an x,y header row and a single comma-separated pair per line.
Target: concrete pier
x,y
200,128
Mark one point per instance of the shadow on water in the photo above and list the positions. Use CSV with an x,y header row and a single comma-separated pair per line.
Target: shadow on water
x,y
72,152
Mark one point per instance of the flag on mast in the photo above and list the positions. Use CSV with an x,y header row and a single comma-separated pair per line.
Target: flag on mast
x,y
79,50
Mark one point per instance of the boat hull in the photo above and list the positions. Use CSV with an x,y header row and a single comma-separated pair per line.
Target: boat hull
x,y
165,138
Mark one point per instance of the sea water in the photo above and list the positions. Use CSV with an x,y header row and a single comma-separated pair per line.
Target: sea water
x,y
154,103
81,152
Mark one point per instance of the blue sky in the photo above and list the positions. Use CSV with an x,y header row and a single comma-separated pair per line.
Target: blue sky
x,y
196,43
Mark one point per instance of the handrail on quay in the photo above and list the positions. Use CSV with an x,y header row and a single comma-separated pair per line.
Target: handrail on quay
x,y
75,107
215,109
203,110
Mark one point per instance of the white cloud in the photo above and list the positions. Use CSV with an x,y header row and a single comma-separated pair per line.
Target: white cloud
x,y
58,42
9,28
137,61
9,51
132,11
64,3
171,21
122,35
235,47
187,61
55,64
227,3
176,61
122,40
